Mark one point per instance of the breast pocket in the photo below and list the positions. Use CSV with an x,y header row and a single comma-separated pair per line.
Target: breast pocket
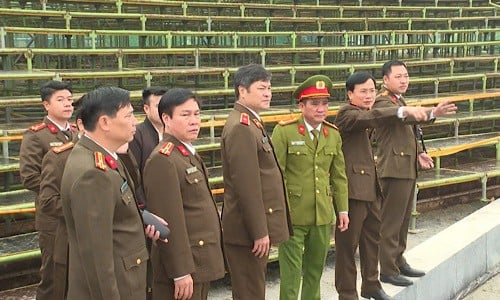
x,y
195,177
297,150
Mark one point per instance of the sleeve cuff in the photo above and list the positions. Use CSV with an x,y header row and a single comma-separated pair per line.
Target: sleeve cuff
x,y
182,277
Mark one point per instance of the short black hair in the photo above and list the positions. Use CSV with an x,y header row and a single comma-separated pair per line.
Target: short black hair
x,y
78,106
153,90
387,67
358,77
52,86
249,74
173,98
102,101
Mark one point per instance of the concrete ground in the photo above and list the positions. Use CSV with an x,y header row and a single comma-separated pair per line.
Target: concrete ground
x,y
428,224
489,290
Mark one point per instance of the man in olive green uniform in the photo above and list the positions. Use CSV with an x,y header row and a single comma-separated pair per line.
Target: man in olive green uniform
x,y
355,121
309,152
107,246
55,130
177,189
255,213
399,155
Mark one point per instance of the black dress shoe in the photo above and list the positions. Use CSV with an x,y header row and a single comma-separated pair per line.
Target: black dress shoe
x,y
406,270
395,280
377,295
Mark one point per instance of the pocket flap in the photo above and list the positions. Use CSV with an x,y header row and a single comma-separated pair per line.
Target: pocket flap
x,y
135,259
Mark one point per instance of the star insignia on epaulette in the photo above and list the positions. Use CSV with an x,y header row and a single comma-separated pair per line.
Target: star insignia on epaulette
x,y
330,125
286,122
37,127
99,161
167,148
63,148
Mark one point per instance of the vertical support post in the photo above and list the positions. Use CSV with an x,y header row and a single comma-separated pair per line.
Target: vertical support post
x,y
235,40
148,78
456,123
322,57
196,58
484,181
168,37
2,38
242,10
268,24
184,8
225,74
212,129
93,38
263,58
485,81
119,4
414,212
436,87
498,151
143,19
292,77
293,36
67,19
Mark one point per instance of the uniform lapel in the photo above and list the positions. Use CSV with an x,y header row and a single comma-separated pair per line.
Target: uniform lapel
x,y
322,138
307,135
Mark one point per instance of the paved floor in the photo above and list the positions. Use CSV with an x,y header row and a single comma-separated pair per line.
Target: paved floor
x,y
490,290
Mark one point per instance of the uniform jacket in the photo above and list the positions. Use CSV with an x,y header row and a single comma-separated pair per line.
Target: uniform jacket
x,y
176,185
145,140
254,194
355,125
37,141
314,177
50,196
107,246
395,144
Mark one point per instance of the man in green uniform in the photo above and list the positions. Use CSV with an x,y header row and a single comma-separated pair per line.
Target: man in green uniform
x,y
309,152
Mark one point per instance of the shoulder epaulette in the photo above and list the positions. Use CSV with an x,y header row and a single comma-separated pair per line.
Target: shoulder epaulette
x,y
384,93
167,148
38,127
244,119
330,125
286,122
99,161
63,148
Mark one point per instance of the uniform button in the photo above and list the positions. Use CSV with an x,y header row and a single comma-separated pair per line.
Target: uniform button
x,y
402,153
317,178
270,210
317,191
138,261
375,157
317,155
316,167
196,180
201,243
298,153
362,171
